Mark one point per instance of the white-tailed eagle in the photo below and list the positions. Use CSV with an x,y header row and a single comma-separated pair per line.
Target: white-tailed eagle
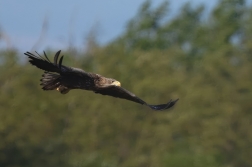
x,y
63,78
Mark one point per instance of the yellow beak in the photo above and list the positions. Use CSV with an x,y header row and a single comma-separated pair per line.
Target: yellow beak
x,y
116,83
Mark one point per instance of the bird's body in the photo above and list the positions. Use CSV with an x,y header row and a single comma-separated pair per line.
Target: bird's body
x,y
63,78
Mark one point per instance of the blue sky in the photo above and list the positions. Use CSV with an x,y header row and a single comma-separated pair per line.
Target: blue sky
x,y
21,21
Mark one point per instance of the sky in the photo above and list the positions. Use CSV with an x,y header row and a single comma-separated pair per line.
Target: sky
x,y
67,21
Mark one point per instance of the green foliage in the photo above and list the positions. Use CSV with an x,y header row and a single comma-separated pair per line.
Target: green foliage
x,y
206,64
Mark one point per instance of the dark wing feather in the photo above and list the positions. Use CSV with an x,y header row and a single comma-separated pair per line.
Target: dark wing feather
x,y
120,92
56,57
60,62
163,106
45,64
42,63
46,57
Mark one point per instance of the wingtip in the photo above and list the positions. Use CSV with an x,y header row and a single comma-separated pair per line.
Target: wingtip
x,y
175,100
171,103
162,107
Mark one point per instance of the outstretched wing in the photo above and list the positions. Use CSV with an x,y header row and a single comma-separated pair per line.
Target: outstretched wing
x,y
56,66
70,77
120,92
45,64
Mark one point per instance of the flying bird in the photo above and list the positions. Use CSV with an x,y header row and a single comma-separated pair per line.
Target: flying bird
x,y
62,78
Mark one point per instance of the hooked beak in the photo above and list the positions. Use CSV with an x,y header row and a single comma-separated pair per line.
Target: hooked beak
x,y
116,83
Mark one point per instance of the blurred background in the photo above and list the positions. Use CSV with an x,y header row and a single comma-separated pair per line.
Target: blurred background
x,y
198,51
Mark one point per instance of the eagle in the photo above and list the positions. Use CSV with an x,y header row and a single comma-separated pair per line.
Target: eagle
x,y
63,79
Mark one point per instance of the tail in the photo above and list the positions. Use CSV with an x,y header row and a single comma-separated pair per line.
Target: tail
x,y
50,81
44,63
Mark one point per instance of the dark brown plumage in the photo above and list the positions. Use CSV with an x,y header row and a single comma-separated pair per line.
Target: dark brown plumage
x,y
63,78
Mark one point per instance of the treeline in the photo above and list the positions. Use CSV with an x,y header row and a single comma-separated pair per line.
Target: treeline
x,y
203,60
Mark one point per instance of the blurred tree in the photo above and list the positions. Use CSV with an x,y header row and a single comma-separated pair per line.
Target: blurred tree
x,y
206,62
142,31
